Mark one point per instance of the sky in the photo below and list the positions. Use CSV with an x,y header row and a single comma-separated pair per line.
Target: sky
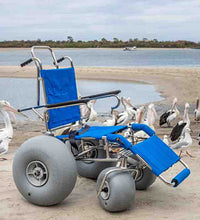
x,y
95,19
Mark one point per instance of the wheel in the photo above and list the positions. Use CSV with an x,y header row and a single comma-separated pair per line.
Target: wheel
x,y
145,177
91,169
118,192
44,170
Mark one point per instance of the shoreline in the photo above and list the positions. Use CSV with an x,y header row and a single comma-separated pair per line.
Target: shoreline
x,y
4,49
168,81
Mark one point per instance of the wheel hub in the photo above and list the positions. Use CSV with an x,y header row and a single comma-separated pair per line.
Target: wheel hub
x,y
37,173
105,192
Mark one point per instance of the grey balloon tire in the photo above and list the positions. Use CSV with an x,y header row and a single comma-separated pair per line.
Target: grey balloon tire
x,y
121,191
60,163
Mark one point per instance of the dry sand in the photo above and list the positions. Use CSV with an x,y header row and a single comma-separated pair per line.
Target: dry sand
x,y
158,202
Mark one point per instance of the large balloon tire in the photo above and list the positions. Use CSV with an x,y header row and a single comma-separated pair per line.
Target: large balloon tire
x,y
53,160
118,193
145,177
92,169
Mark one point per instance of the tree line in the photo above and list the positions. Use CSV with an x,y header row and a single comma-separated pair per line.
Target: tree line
x,y
103,43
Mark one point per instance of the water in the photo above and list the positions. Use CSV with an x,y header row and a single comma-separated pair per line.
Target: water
x,y
21,93
111,57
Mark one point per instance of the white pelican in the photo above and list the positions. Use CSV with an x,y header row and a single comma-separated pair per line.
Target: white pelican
x,y
197,111
184,142
165,140
140,120
87,111
151,116
132,110
150,120
124,117
140,115
178,130
113,120
169,115
6,133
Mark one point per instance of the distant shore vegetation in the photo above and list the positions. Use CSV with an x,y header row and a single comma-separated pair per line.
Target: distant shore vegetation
x,y
103,43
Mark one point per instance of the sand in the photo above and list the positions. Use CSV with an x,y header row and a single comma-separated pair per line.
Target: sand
x,y
158,202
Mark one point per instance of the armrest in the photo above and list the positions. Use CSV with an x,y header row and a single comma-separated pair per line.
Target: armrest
x,y
111,93
83,100
58,105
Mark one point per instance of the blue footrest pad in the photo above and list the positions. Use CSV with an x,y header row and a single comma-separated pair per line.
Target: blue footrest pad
x,y
180,177
156,154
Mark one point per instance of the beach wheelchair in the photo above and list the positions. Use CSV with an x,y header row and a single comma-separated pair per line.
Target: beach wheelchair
x,y
45,167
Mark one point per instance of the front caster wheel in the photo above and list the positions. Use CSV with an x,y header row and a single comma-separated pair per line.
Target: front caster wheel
x,y
44,170
118,191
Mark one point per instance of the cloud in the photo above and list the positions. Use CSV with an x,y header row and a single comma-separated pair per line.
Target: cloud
x,y
94,19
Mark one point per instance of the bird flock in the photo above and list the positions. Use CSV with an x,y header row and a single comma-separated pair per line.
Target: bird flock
x,y
179,137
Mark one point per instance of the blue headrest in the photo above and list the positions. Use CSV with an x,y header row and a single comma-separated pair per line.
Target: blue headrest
x,y
60,86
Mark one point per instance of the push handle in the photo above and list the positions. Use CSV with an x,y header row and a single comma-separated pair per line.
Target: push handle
x,y
26,62
60,60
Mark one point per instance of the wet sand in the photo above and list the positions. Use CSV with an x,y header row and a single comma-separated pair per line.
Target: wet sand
x,y
159,201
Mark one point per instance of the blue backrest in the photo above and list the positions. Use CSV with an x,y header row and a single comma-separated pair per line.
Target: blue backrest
x,y
60,86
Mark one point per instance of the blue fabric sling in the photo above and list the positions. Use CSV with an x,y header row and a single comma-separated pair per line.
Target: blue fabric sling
x,y
60,86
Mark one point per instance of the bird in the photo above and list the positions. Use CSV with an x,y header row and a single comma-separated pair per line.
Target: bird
x,y
151,116
184,142
140,120
6,133
169,115
112,121
165,139
88,112
197,111
140,115
150,120
124,117
132,110
178,129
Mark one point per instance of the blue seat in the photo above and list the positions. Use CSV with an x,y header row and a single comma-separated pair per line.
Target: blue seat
x,y
96,132
60,86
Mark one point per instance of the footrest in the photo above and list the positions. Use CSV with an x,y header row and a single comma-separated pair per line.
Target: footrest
x,y
156,154
159,158
180,177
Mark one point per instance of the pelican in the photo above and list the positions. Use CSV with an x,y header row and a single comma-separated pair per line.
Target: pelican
x,y
165,140
6,133
124,117
197,111
140,120
151,116
88,112
184,142
132,110
113,120
169,115
150,120
140,115
178,130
